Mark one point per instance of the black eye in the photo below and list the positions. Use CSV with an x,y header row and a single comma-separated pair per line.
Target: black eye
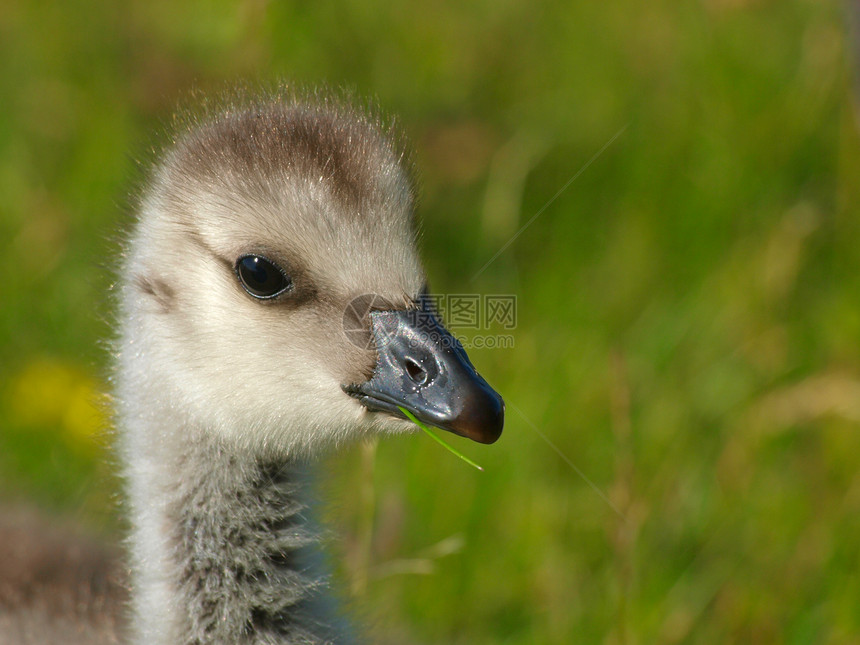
x,y
260,277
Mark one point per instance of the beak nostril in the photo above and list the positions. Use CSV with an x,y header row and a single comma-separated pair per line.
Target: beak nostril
x,y
415,371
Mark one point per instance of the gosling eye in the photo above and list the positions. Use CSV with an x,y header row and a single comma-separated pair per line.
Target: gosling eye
x,y
262,278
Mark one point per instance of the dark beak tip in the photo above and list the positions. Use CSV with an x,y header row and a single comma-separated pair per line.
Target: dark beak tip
x,y
489,438
482,423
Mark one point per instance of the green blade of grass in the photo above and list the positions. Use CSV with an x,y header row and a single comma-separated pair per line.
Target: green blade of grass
x,y
439,439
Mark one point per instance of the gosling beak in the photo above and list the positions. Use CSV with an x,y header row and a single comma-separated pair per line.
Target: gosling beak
x,y
424,369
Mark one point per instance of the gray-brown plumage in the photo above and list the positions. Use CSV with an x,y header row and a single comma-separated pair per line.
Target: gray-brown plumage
x,y
57,584
261,228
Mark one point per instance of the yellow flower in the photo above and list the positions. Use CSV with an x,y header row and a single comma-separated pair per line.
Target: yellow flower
x,y
52,393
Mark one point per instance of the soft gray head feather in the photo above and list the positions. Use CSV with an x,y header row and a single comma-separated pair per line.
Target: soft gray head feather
x,y
317,188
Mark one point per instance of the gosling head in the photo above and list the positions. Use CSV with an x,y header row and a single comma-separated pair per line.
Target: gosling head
x,y
272,289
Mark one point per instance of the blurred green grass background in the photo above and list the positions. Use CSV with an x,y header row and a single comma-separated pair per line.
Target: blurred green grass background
x,y
688,329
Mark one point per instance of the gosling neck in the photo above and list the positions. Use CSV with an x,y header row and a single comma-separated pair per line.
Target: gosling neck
x,y
224,548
